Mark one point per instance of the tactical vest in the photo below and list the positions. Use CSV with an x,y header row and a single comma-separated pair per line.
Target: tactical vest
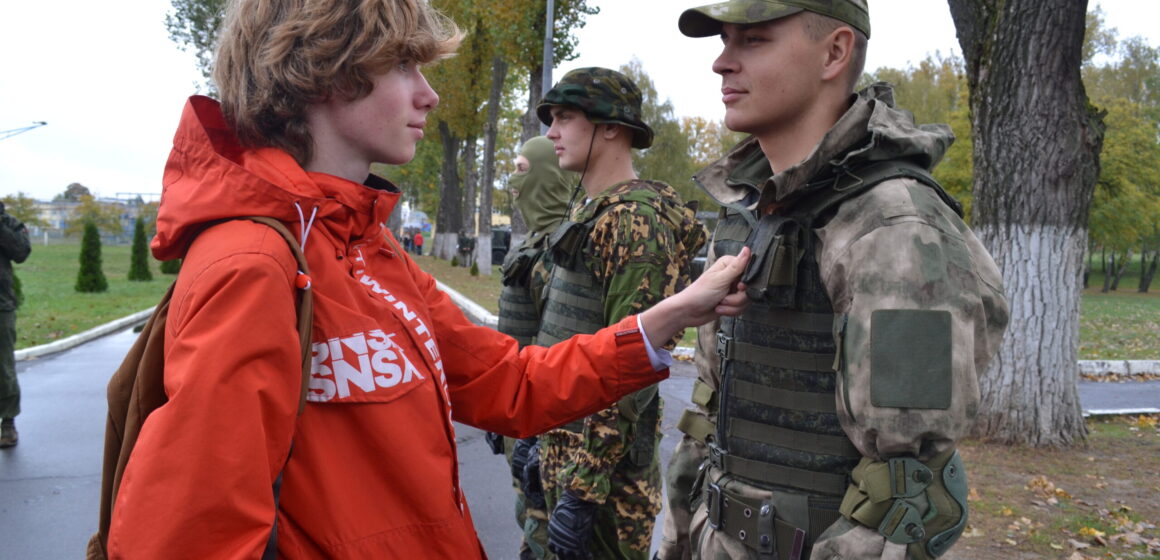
x,y
777,425
575,305
519,313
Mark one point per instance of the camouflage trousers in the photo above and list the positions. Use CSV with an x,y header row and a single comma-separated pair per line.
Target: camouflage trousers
x,y
532,521
681,502
9,386
624,523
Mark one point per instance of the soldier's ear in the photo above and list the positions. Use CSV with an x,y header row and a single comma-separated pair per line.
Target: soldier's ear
x,y
612,131
839,53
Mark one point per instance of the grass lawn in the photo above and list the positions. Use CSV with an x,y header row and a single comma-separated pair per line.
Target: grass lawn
x,y
53,309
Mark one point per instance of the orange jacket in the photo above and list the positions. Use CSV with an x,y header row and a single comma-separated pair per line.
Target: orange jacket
x,y
373,473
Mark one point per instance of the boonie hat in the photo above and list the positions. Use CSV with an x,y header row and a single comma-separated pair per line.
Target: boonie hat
x,y
705,21
605,96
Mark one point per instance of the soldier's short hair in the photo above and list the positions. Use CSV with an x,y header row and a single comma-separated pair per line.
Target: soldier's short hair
x,y
817,26
277,57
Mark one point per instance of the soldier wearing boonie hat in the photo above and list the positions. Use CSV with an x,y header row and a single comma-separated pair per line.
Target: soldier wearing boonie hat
x,y
630,245
828,412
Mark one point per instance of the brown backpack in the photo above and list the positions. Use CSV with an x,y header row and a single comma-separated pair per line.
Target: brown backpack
x,y
138,388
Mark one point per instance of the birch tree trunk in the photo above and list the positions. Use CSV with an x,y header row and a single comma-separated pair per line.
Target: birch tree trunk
x,y
1036,154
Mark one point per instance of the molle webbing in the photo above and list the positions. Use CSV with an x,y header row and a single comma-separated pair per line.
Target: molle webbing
x,y
574,305
517,314
777,424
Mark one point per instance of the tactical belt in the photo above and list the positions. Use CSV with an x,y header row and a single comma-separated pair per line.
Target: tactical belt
x,y
758,526
807,480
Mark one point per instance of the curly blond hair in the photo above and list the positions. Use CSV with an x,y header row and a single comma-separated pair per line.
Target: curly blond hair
x,y
276,57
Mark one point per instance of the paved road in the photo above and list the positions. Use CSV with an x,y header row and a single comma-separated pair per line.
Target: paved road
x,y
49,483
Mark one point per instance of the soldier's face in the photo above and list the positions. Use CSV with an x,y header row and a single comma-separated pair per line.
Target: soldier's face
x,y
769,75
571,134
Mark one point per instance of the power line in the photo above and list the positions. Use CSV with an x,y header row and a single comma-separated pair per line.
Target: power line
x,y
13,132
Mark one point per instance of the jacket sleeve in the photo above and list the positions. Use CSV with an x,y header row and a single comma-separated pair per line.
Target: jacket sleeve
x,y
920,314
14,242
200,477
495,386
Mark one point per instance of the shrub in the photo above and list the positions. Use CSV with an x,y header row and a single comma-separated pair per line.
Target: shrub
x,y
474,268
139,257
455,260
91,278
170,267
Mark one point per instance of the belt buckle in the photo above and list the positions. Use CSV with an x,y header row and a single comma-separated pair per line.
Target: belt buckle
x,y
716,455
715,502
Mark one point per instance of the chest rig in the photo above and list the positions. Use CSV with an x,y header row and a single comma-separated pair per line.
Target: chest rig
x,y
574,304
777,425
519,307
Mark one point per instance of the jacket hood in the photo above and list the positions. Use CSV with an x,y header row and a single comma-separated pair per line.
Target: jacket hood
x,y
872,129
211,177
545,189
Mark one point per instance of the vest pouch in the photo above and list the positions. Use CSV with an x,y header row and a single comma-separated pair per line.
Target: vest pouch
x,y
518,265
771,276
567,243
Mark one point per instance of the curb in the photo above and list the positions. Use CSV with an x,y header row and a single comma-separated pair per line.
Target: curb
x,y
80,338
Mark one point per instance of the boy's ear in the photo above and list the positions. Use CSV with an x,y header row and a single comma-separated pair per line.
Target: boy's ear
x,y
839,53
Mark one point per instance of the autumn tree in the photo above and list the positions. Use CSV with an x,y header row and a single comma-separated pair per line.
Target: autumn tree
x,y
23,208
104,216
194,25
1036,160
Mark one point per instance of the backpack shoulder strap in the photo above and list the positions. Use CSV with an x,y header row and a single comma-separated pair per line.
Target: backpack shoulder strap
x,y
856,181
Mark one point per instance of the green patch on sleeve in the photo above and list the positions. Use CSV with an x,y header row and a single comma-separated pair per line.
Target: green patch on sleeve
x,y
910,358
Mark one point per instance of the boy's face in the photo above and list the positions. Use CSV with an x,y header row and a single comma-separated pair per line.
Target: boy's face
x,y
381,127
770,74
571,134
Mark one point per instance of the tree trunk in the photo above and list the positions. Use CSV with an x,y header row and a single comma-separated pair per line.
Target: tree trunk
x,y
1108,272
1036,148
531,130
450,216
1119,270
1147,275
499,70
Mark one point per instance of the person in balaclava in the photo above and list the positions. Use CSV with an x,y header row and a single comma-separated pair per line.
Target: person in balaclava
x,y
541,191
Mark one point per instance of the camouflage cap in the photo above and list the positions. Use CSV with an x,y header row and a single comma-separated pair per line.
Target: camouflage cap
x,y
605,96
704,21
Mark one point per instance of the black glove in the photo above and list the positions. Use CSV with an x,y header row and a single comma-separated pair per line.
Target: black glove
x,y
570,528
530,483
494,441
520,457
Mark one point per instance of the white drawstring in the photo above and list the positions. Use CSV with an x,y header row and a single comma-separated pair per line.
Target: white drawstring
x,y
303,280
304,226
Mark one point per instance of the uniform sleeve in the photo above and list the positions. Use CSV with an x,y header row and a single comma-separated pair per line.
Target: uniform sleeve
x,y
200,479
637,269
920,314
14,242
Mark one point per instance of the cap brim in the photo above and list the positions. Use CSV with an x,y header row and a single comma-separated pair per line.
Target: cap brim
x,y
706,21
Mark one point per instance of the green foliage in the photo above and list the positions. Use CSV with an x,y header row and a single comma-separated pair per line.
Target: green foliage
x,y
73,193
90,277
474,268
139,257
170,267
104,217
455,260
194,26
23,208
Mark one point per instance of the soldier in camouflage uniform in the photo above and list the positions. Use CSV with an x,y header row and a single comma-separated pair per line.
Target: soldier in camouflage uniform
x,y
626,248
828,412
541,191
14,247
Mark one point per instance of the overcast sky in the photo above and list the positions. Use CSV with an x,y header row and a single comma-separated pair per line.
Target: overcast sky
x,y
111,84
